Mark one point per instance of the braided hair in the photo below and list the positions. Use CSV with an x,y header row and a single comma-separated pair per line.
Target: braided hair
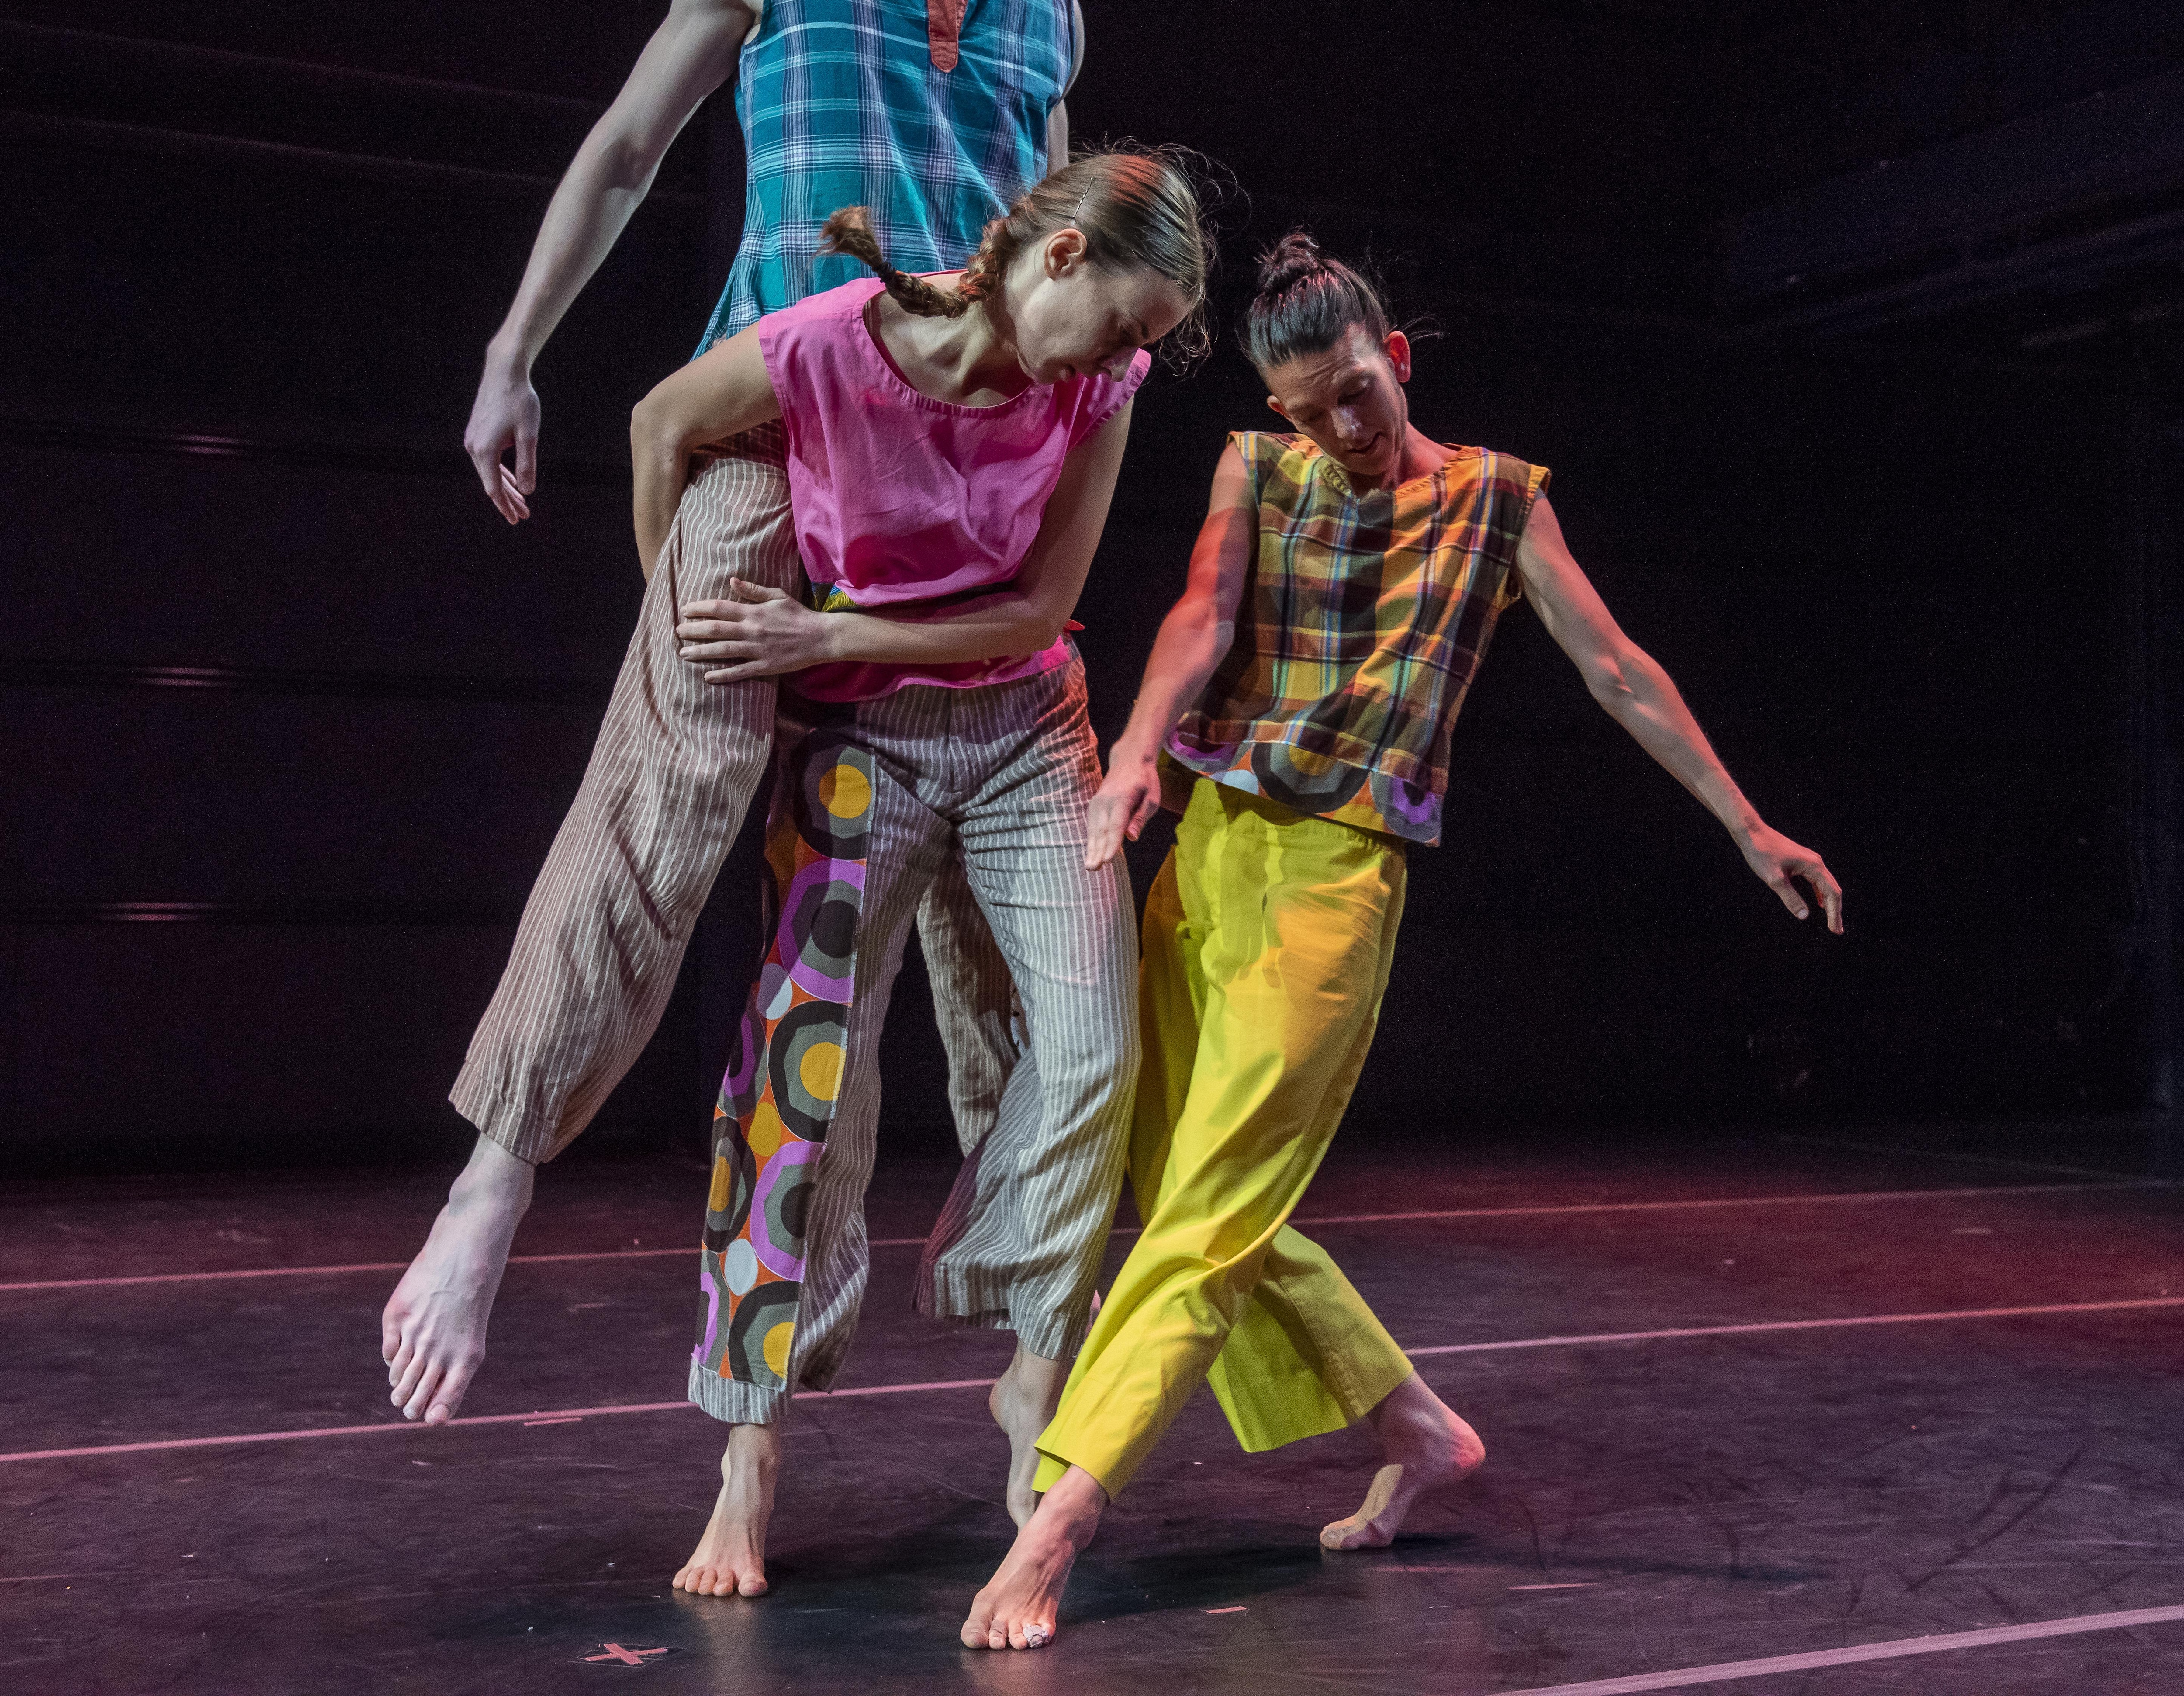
x,y
1133,208
1306,303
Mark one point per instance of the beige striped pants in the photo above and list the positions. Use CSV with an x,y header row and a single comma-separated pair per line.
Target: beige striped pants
x,y
871,799
671,778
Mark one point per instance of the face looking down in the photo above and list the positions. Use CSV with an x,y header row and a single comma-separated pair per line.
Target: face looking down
x,y
1072,315
1349,400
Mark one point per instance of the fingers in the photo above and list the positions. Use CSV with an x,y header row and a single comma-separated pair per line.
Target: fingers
x,y
750,670
1829,890
1148,805
527,459
1103,834
1788,893
488,468
742,589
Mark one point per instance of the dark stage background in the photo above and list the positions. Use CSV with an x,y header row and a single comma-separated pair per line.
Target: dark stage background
x,y
1854,337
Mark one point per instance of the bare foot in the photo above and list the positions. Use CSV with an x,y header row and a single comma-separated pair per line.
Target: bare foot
x,y
1023,1402
1017,1609
730,1558
433,1335
1426,1446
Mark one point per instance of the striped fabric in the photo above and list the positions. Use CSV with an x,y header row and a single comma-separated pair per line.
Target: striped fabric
x,y
852,102
870,798
670,779
1364,622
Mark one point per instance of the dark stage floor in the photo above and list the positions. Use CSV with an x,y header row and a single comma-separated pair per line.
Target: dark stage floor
x,y
1753,1400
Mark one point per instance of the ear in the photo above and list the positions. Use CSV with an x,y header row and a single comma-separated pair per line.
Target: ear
x,y
1399,354
1065,251
1281,412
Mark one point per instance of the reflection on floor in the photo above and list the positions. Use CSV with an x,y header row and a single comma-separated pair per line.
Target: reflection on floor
x,y
1655,1509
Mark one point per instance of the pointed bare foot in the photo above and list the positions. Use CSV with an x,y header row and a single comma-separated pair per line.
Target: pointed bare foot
x,y
1018,1607
730,1558
431,1334
1426,1446
1023,1402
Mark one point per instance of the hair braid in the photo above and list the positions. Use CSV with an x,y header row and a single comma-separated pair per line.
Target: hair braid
x,y
1133,208
850,231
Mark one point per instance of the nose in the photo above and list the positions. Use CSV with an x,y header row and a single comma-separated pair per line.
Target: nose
x,y
1349,429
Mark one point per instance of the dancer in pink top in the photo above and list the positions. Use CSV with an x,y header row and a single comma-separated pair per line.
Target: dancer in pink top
x,y
953,443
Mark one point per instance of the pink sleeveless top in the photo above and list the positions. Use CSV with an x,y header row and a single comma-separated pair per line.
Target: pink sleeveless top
x,y
900,498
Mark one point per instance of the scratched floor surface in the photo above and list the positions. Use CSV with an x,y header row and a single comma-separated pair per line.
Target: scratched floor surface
x,y
1745,1401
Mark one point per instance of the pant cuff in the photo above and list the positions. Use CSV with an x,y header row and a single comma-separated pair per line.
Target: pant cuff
x,y
1051,1335
528,1136
733,1401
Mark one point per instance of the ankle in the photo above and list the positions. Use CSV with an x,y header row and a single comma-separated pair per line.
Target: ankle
x,y
493,1180
1072,1507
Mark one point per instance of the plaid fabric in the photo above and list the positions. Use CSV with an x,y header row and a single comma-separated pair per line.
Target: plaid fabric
x,y
842,103
1364,622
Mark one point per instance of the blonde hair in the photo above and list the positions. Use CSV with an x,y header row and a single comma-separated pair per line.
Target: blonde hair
x,y
1134,210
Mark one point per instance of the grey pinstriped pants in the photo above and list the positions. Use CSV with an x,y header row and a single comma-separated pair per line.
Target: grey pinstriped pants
x,y
671,778
1001,776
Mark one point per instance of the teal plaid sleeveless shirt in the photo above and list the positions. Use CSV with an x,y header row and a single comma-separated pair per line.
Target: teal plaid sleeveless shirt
x,y
844,103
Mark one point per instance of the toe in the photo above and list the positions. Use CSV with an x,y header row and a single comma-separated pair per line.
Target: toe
x,y
404,1375
420,1398
752,1583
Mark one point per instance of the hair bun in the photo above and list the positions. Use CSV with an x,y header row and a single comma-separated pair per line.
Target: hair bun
x,y
1290,259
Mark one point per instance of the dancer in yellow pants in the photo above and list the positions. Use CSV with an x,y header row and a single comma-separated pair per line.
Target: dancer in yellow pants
x,y
1297,710
1267,940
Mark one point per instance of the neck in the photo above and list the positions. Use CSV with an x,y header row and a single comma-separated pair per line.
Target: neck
x,y
957,359
1421,455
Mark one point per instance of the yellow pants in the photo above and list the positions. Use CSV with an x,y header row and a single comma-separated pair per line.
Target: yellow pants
x,y
1267,938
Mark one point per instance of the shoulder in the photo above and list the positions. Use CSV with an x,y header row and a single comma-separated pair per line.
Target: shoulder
x,y
833,320
1494,478
830,306
1086,403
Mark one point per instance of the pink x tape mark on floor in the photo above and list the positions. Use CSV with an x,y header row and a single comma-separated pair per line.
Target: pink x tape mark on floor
x,y
1570,1209
566,1416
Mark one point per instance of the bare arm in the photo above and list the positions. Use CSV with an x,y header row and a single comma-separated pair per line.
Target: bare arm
x,y
691,54
1194,638
1057,121
721,393
763,631
1640,697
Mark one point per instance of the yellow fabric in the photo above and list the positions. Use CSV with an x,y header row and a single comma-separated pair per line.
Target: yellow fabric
x,y
1267,938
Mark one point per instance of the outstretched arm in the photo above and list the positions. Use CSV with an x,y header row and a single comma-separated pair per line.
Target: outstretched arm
x,y
691,54
1640,697
1194,638
762,632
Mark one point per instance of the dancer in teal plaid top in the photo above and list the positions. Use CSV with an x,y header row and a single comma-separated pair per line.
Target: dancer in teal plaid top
x,y
846,103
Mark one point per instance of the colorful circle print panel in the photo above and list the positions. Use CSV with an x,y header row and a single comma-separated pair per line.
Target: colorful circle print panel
x,y
777,1099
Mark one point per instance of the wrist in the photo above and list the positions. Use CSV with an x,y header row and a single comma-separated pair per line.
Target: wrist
x,y
509,353
1132,748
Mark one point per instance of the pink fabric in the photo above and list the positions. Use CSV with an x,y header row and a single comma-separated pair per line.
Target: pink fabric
x,y
900,498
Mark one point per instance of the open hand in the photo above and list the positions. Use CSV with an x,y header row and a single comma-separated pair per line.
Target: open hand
x,y
757,633
1128,796
504,416
1779,862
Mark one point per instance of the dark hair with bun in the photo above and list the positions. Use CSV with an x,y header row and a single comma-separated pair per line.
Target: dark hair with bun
x,y
1133,208
1306,302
